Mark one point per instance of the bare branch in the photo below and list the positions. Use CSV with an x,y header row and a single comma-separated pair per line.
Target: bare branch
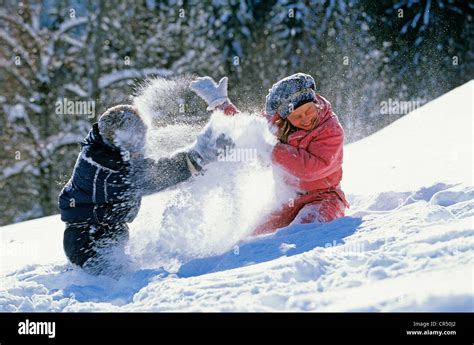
x,y
34,107
68,25
15,45
63,28
19,167
56,141
76,89
14,72
72,41
18,21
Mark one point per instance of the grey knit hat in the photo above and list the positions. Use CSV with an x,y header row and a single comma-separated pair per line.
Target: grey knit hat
x,y
122,126
290,93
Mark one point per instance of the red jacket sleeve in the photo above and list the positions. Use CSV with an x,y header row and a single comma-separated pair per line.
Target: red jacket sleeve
x,y
321,158
229,109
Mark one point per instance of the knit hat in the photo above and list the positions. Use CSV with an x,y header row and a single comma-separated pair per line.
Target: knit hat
x,y
123,127
290,93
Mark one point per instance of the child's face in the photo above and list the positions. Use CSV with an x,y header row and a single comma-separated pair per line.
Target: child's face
x,y
132,141
304,117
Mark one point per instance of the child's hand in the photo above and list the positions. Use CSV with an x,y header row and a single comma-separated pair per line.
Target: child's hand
x,y
223,142
208,149
214,94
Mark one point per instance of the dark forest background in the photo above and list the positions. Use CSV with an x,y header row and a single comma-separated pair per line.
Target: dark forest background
x,y
361,54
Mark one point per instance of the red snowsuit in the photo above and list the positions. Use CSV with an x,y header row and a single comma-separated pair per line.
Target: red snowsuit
x,y
312,163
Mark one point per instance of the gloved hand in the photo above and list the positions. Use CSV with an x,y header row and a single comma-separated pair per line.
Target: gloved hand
x,y
206,150
214,94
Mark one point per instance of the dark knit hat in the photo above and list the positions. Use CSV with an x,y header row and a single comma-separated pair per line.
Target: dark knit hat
x,y
122,126
290,93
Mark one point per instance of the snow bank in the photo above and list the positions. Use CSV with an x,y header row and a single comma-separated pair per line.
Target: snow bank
x,y
407,243
431,144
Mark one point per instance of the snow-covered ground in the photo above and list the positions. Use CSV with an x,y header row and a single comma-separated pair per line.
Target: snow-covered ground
x,y
406,244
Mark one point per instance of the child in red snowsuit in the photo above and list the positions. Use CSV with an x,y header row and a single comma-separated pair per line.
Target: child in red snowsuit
x,y
309,152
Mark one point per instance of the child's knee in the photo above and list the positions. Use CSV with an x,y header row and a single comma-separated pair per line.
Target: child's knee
x,y
78,244
90,244
320,212
308,214
332,210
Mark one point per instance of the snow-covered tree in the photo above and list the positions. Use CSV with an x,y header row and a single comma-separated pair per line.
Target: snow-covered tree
x,y
58,76
331,40
34,58
431,43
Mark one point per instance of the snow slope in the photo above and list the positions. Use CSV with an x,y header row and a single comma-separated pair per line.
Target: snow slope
x,y
406,244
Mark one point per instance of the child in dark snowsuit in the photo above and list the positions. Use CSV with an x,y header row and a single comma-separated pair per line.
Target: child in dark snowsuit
x,y
109,179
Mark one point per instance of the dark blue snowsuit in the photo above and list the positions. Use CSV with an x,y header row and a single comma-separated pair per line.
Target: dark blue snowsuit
x,y
104,194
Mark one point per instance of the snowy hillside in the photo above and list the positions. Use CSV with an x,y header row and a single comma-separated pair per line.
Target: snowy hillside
x,y
406,243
